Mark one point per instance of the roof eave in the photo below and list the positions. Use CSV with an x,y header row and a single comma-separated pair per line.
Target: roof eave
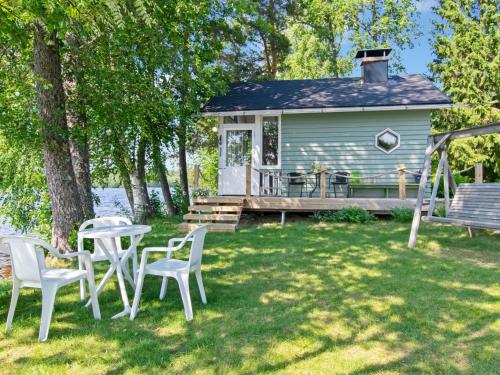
x,y
333,109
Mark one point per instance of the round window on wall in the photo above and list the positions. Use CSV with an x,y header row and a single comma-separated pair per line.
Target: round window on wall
x,y
387,141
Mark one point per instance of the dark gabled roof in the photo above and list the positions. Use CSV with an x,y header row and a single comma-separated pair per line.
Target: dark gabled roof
x,y
407,90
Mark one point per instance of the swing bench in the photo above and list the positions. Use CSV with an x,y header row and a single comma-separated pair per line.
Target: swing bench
x,y
474,205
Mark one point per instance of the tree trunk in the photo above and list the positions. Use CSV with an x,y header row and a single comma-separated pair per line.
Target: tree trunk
x,y
79,149
127,184
77,120
141,210
141,173
162,177
183,172
65,201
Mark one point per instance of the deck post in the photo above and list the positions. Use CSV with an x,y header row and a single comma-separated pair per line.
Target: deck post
x,y
421,193
322,189
248,185
283,216
196,179
402,182
478,173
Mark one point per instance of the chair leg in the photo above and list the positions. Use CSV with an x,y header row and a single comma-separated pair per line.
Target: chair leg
x,y
16,286
183,281
137,295
200,286
134,265
48,298
82,282
92,290
163,290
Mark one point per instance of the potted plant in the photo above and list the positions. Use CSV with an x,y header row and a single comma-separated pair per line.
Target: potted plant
x,y
316,167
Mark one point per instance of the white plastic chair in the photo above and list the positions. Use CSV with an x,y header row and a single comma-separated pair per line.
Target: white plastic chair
x,y
29,271
178,269
98,255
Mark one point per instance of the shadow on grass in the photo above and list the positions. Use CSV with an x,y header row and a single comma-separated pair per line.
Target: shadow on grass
x,y
323,298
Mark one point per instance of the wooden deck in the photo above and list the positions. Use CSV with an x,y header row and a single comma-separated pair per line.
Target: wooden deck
x,y
223,213
374,205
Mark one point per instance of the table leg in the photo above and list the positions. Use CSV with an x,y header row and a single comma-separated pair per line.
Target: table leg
x,y
133,245
123,292
117,266
121,282
103,282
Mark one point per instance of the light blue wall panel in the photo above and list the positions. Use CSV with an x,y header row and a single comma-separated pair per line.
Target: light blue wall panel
x,y
346,141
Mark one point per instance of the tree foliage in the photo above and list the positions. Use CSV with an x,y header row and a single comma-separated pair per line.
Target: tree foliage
x,y
466,42
326,34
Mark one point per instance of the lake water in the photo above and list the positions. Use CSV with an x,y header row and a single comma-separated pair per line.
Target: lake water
x,y
113,202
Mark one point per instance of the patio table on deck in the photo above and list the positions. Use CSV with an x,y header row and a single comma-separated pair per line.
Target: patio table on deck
x,y
136,233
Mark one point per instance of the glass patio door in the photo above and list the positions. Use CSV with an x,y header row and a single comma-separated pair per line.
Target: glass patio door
x,y
237,153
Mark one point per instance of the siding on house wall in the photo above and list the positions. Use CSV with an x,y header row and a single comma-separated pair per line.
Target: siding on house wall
x,y
346,141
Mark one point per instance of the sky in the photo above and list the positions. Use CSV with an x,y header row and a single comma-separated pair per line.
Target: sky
x,y
417,59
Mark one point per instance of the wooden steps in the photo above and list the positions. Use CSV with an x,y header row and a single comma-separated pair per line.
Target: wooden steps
x,y
219,227
222,214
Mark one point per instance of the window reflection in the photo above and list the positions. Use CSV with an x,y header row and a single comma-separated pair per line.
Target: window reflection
x,y
238,148
270,141
387,141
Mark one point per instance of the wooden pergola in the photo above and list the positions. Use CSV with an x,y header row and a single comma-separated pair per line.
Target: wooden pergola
x,y
439,143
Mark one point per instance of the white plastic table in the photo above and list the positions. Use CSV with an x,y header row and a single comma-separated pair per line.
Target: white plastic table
x,y
136,233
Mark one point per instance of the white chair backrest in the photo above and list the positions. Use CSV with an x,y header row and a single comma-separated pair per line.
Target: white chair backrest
x,y
106,222
198,240
27,257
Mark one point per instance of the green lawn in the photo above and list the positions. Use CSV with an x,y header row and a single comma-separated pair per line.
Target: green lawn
x,y
305,298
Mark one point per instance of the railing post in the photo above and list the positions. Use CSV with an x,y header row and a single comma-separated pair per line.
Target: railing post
x,y
196,179
402,182
322,183
248,189
478,173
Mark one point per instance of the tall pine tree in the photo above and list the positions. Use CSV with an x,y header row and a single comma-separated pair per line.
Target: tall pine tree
x,y
466,41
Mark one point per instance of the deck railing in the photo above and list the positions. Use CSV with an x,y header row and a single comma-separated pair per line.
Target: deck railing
x,y
272,181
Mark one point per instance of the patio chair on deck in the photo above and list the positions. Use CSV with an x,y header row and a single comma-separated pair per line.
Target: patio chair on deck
x,y
340,183
178,269
29,271
295,179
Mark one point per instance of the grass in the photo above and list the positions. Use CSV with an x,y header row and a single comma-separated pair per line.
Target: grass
x,y
305,298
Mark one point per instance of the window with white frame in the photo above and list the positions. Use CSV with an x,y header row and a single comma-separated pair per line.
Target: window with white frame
x,y
387,140
270,141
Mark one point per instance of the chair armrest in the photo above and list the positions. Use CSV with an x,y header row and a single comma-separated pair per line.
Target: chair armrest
x,y
85,225
172,241
159,249
84,253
